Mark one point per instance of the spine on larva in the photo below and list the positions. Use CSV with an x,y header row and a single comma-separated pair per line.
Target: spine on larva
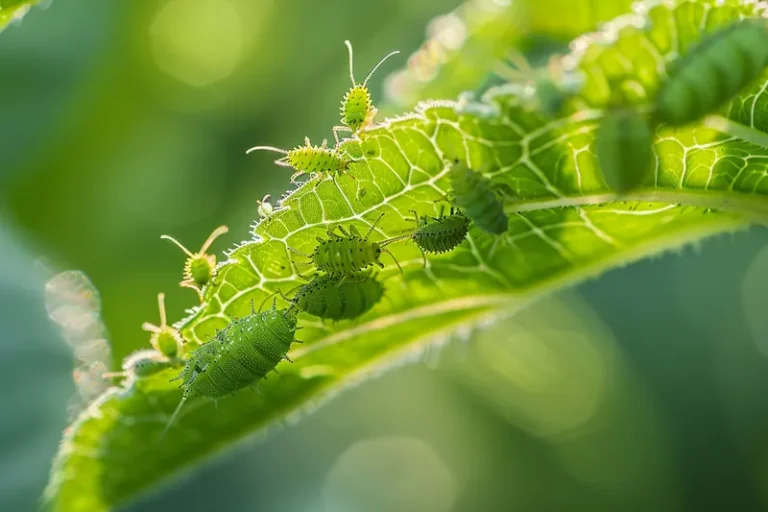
x,y
474,194
442,235
239,355
339,298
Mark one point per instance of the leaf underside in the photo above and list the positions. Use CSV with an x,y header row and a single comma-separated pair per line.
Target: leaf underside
x,y
564,226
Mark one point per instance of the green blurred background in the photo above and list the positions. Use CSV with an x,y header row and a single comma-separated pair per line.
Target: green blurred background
x,y
121,121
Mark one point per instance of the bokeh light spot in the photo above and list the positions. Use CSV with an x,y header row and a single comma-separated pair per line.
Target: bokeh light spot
x,y
388,474
198,42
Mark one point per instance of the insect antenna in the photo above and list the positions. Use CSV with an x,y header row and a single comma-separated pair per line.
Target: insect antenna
x,y
161,306
173,418
351,65
395,239
390,54
212,238
267,148
178,244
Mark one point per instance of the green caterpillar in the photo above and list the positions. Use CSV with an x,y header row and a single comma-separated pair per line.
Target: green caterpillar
x,y
713,72
238,356
474,194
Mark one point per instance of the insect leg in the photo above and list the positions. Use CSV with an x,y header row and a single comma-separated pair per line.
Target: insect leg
x,y
343,231
395,259
173,417
296,175
188,283
337,129
293,263
283,162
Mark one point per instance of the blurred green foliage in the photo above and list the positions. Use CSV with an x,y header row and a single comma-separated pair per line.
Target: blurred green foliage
x,y
35,378
111,135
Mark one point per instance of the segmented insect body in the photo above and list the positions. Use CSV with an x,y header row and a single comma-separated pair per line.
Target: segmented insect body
x,y
200,267
339,298
624,148
238,356
347,253
308,159
474,194
357,110
713,72
165,339
440,234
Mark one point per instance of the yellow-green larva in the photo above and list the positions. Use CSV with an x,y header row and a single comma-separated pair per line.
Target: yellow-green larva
x,y
347,253
238,356
474,194
308,159
357,110
334,297
200,267
713,72
624,147
165,339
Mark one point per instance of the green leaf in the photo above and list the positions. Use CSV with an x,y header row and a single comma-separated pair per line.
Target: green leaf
x,y
12,10
565,225
464,45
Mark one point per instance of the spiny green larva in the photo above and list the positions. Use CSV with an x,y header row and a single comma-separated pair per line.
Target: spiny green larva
x,y
475,196
165,339
357,110
200,267
335,297
238,356
439,234
309,159
349,252
713,72
442,233
624,147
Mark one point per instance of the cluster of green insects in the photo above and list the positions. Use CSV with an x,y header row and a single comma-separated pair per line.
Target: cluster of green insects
x,y
343,285
700,83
